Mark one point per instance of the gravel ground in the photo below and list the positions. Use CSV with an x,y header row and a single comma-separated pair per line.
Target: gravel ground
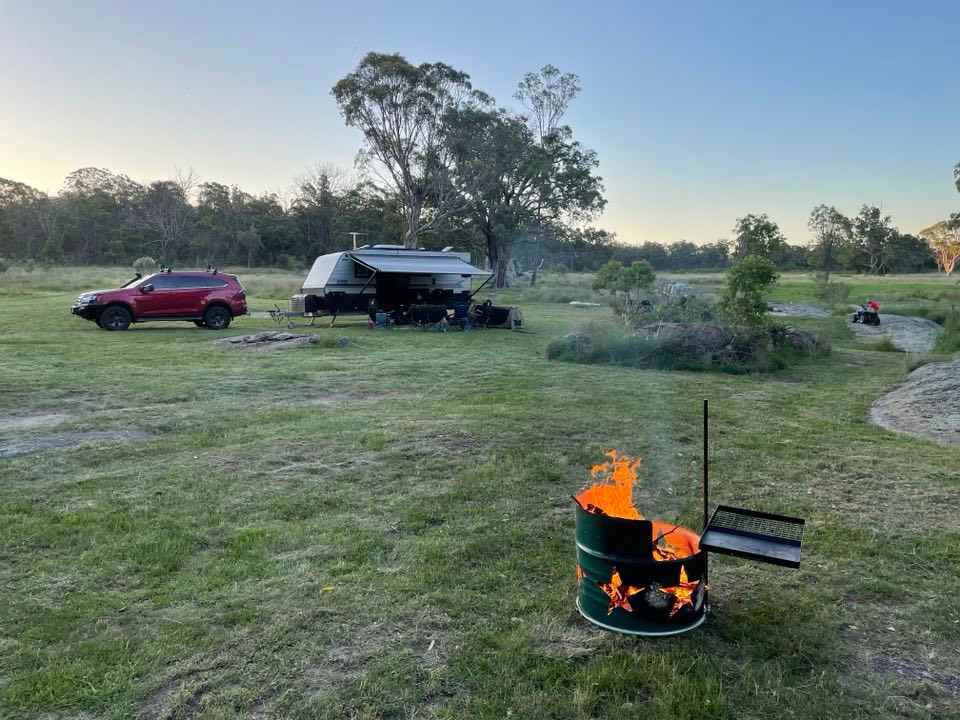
x,y
797,310
910,334
926,404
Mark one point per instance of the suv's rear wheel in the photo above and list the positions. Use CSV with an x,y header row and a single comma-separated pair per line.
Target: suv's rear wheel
x,y
115,317
217,317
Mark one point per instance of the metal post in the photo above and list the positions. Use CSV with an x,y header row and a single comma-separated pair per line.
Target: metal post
x,y
706,465
706,496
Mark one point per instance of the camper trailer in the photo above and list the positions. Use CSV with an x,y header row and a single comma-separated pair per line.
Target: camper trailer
x,y
388,279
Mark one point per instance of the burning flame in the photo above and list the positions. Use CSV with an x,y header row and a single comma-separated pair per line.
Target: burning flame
x,y
580,574
612,491
618,593
682,593
612,494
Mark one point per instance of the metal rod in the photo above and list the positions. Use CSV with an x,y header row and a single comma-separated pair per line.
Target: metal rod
x,y
706,497
706,465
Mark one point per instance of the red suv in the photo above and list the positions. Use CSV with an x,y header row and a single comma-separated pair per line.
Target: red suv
x,y
210,299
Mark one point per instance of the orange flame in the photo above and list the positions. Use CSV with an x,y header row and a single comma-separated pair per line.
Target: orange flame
x,y
612,491
618,593
682,593
580,574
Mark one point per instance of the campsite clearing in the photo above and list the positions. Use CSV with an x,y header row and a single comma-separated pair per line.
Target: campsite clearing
x,y
385,530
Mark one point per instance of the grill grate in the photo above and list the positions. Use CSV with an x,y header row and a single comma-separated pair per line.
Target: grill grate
x,y
770,527
764,537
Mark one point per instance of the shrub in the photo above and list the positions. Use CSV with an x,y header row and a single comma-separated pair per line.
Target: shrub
x,y
744,299
833,293
144,265
29,266
885,345
695,346
632,281
949,340
3,266
288,262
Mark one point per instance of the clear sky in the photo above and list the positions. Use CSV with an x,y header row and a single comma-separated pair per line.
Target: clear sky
x,y
699,114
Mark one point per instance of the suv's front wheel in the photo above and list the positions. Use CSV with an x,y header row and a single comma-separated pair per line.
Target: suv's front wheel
x,y
115,317
217,317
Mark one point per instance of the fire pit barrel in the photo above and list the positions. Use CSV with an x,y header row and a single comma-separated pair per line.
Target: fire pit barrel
x,y
626,584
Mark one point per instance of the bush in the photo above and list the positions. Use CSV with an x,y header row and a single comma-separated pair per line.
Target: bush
x,y
744,299
686,309
885,345
288,262
695,346
833,293
145,265
29,266
949,340
3,266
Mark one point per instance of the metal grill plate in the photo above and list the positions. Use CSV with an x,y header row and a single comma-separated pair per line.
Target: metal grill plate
x,y
763,537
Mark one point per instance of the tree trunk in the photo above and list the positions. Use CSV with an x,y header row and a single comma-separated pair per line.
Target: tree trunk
x,y
499,257
413,223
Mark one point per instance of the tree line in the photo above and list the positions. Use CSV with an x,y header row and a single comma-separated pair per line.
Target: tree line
x,y
441,164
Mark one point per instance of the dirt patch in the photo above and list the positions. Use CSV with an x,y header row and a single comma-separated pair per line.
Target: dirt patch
x,y
567,639
916,671
16,446
30,422
268,341
909,334
797,310
926,404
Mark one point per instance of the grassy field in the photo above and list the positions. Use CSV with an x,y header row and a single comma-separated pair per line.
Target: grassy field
x,y
385,530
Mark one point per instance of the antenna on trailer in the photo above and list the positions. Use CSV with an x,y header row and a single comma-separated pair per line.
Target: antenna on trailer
x,y
354,236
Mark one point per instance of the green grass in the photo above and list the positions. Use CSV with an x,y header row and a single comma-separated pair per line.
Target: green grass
x,y
385,530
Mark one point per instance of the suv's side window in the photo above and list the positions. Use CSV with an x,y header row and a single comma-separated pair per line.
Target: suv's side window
x,y
186,282
163,282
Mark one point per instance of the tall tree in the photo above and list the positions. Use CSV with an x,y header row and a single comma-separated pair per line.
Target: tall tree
x,y
165,209
100,206
873,234
402,110
944,239
546,95
758,235
831,231
512,182
20,234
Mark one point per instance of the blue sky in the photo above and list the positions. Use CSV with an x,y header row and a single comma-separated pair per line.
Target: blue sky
x,y
699,114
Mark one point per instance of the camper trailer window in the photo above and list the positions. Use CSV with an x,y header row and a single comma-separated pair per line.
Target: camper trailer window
x,y
359,271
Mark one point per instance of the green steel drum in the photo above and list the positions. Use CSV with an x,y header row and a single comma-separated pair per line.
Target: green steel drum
x,y
605,544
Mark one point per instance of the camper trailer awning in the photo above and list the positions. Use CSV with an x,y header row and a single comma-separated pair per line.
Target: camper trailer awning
x,y
413,265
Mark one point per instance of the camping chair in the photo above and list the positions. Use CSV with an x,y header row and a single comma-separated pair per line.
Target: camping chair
x,y
461,316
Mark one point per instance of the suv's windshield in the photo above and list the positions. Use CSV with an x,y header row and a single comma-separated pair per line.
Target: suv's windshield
x,y
132,280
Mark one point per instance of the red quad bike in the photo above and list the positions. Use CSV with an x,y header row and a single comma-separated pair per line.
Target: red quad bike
x,y
209,299
868,314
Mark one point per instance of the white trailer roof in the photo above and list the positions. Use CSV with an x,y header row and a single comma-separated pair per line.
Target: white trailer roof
x,y
433,264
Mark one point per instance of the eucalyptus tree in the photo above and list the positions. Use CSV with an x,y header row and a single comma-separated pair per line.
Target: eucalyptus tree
x,y
512,183
100,208
402,111
758,235
831,231
874,234
546,96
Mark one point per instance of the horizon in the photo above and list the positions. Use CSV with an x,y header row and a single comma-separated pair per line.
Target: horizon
x,y
717,114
